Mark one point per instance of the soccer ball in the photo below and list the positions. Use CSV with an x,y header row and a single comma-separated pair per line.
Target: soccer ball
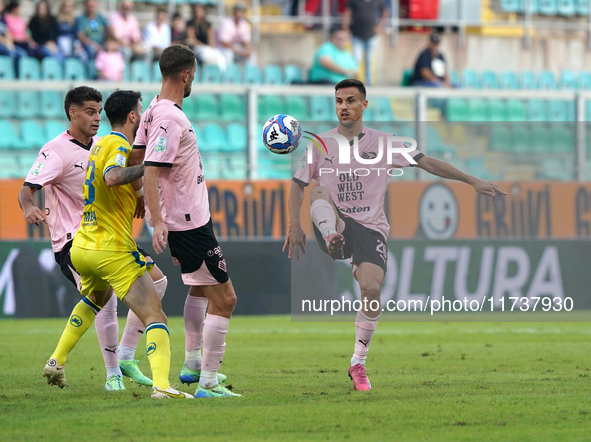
x,y
282,134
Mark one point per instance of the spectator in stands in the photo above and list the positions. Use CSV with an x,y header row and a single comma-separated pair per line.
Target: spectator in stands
x,y
44,31
91,27
332,62
361,18
178,32
234,36
18,27
109,62
66,25
7,46
200,37
430,68
157,34
125,27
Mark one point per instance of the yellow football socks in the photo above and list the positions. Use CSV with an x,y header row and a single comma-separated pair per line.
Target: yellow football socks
x,y
158,351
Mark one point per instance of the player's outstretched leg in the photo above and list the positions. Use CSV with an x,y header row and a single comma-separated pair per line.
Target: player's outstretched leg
x,y
325,217
222,300
79,321
107,331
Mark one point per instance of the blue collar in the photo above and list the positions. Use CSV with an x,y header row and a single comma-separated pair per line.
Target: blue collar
x,y
119,134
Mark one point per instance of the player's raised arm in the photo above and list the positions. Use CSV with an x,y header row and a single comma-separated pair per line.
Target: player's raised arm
x,y
31,212
446,170
295,237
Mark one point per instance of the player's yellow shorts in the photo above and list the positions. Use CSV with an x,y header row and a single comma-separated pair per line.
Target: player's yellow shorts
x,y
99,269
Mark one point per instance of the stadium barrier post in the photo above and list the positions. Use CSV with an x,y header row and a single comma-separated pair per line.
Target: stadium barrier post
x,y
252,132
580,135
420,118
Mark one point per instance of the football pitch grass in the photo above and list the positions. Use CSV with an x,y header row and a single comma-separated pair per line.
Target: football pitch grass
x,y
431,381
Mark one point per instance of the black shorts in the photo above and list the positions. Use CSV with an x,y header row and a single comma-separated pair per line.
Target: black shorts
x,y
362,244
194,247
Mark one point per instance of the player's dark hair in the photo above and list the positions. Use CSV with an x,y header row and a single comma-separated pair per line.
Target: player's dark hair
x,y
80,94
351,82
120,104
176,59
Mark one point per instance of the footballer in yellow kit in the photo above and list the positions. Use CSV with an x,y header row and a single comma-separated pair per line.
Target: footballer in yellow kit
x,y
104,251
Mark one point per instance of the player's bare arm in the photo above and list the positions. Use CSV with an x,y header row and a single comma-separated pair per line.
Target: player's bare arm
x,y
446,170
32,213
160,235
295,238
136,157
118,176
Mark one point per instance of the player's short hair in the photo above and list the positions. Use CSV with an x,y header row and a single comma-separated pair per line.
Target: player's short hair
x,y
176,59
351,82
80,94
120,104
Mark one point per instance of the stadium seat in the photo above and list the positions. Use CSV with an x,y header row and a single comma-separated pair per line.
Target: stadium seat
x,y
27,104
190,107
156,74
570,110
233,74
509,5
207,108
516,110
383,109
238,167
237,138
270,105
528,80
91,70
568,80
273,74
496,110
140,72
292,74
536,110
557,110
214,137
51,69
55,127
582,7
297,107
476,110
104,128
520,139
32,134
52,104
500,138
562,138
435,144
321,109
547,81
28,69
588,110
7,104
74,70
547,7
470,79
540,138
456,110
552,170
10,138
211,73
566,7
490,80
509,80
533,5
6,68
252,74
9,166
232,107
584,81
406,78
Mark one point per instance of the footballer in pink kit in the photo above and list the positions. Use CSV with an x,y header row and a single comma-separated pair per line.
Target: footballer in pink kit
x,y
60,168
178,205
347,206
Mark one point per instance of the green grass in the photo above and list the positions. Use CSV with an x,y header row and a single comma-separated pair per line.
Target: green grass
x,y
431,381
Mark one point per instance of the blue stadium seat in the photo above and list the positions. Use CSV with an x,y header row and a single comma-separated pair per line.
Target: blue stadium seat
x,y
536,110
6,68
582,7
456,110
211,73
489,80
533,5
270,105
496,110
28,69
233,74
383,109
74,70
238,167
273,74
32,134
104,128
7,104
207,107
156,74
237,138
10,138
547,7
214,137
320,109
516,110
435,144
297,107
509,5
528,80
52,104
27,104
91,70
470,79
568,80
292,74
51,69
232,107
9,166
566,7
547,81
556,110
140,72
509,80
252,74
54,127
584,81
476,110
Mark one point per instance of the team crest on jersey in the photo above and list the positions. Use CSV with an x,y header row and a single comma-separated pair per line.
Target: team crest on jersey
x,y
303,162
120,160
36,170
160,144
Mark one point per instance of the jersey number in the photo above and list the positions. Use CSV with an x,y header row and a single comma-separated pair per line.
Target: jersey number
x,y
88,186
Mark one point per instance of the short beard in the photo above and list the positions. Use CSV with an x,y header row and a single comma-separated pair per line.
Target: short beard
x,y
348,123
187,92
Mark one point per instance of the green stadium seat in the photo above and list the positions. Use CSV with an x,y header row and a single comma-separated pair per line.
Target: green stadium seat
x,y
104,128
237,138
297,107
10,138
190,107
490,80
233,74
6,68
273,74
570,110
406,78
566,8
556,110
7,104
27,104
74,70
28,69
560,171
207,108
214,137
584,82
55,127
528,80
383,109
520,139
32,134
470,79
536,110
52,104
156,74
232,107
270,105
91,71
252,74
533,6
321,109
368,113
540,138
547,81
51,69
496,110
500,138
293,74
562,138
140,72
9,166
568,80
435,144
516,110
582,7
456,110
547,7
211,73
509,5
238,167
509,80
476,110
